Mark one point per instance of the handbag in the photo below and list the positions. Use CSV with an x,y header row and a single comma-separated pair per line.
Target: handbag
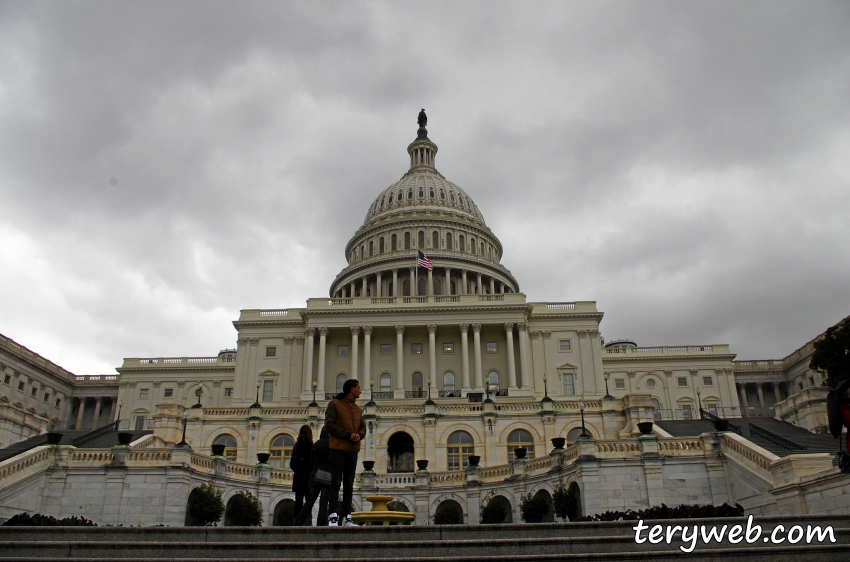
x,y
323,477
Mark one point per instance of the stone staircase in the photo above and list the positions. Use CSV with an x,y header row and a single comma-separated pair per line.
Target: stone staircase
x,y
104,436
477,543
789,439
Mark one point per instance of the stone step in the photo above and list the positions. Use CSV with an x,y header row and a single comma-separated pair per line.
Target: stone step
x,y
446,543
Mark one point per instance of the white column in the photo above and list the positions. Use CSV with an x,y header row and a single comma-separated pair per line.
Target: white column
x,y
479,288
365,286
448,286
476,351
429,290
82,402
464,357
379,290
776,391
509,333
759,390
367,355
308,360
323,340
355,335
432,356
492,286
399,361
96,415
464,287
413,283
523,353
395,283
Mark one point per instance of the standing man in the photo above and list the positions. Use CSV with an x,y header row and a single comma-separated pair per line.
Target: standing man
x,y
346,428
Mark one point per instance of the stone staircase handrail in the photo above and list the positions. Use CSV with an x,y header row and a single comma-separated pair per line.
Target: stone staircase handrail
x,y
775,438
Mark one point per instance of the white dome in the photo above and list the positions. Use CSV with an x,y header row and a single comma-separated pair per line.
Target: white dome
x,y
423,189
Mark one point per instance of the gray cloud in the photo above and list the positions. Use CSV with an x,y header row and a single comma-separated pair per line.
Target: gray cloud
x,y
163,165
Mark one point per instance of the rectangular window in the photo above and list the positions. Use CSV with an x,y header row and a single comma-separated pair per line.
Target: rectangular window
x,y
682,381
58,402
140,423
564,345
228,392
7,379
34,392
143,393
169,392
686,413
268,390
386,349
21,386
619,383
712,409
707,381
271,351
46,398
416,348
569,386
448,347
492,347
342,350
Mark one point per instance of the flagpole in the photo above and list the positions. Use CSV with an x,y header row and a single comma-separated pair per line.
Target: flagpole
x,y
416,289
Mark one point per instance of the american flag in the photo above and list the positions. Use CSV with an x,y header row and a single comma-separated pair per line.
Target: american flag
x,y
426,262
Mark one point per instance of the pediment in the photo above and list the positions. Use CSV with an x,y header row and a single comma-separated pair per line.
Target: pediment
x,y
567,367
269,373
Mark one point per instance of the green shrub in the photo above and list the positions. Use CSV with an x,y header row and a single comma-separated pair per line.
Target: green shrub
x,y
396,505
204,506
243,510
493,512
565,503
533,508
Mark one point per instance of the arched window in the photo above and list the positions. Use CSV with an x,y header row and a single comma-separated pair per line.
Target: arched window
x,y
416,385
442,195
438,286
520,438
461,243
472,245
406,240
435,239
421,193
449,245
385,382
421,239
422,285
482,249
406,288
656,409
410,194
493,380
400,453
460,446
381,245
340,381
454,288
399,196
573,435
449,381
394,243
229,446
371,248
281,451
362,251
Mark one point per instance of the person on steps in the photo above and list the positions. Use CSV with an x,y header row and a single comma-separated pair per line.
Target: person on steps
x,y
319,459
346,428
301,465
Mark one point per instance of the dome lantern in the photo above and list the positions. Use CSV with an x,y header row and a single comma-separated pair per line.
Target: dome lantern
x,y
422,151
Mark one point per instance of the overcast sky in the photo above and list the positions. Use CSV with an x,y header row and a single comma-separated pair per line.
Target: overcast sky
x,y
165,164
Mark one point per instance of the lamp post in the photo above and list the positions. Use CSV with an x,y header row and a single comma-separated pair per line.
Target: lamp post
x,y
581,409
199,393
545,391
256,403
371,401
118,417
699,403
185,420
314,404
607,394
429,402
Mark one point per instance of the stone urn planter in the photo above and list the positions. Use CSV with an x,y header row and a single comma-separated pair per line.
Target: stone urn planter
x,y
474,460
218,450
422,465
645,428
125,437
520,452
559,442
721,425
263,458
53,437
368,465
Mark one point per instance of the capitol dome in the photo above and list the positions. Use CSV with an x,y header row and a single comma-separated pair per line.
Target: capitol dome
x,y
423,211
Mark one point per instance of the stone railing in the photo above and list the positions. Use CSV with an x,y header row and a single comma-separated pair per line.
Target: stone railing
x,y
90,457
668,350
453,477
761,365
424,300
680,447
393,480
97,378
33,461
750,456
495,473
181,362
618,449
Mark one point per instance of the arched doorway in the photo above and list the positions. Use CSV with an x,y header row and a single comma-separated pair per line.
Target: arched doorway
x,y
574,502
547,497
448,512
497,510
400,453
284,513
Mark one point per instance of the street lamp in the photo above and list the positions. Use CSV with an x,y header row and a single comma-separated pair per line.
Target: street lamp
x,y
313,404
545,391
371,401
581,409
256,404
489,388
118,417
607,394
699,403
429,402
199,393
185,420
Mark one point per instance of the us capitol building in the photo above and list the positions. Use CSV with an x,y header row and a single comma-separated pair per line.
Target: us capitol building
x,y
457,368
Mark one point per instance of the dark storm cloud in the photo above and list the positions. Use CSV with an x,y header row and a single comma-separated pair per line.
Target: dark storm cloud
x,y
164,164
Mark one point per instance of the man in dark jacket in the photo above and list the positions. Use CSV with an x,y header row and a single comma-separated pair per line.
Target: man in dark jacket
x,y
346,428
319,458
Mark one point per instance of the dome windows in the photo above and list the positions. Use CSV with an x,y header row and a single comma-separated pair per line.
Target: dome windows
x,y
421,239
406,240
394,243
381,245
442,195
449,245
399,196
451,197
409,194
435,239
431,193
421,193
461,243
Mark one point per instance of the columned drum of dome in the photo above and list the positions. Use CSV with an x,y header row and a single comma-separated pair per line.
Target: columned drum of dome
x,y
423,211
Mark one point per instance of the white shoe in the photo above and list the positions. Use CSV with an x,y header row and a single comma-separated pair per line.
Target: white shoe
x,y
349,522
333,520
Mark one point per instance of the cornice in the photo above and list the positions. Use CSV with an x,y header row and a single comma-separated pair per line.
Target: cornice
x,y
673,358
412,310
195,367
567,315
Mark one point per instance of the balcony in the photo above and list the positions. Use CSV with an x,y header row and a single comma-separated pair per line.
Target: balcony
x,y
667,350
146,363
